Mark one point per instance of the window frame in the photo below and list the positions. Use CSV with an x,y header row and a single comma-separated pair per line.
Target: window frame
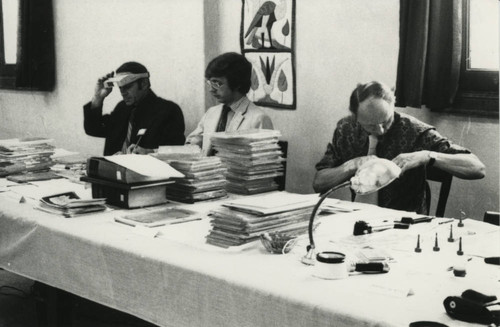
x,y
7,71
478,88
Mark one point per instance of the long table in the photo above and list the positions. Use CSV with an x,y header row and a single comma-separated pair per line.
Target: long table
x,y
176,279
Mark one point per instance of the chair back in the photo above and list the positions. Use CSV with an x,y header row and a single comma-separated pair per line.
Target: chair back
x,y
280,180
492,217
437,175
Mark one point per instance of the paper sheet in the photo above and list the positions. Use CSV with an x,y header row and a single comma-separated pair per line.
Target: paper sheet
x,y
145,165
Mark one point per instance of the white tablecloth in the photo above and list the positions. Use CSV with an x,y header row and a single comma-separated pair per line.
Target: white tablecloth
x,y
176,279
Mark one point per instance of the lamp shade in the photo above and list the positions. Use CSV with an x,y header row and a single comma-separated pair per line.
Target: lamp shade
x,y
374,175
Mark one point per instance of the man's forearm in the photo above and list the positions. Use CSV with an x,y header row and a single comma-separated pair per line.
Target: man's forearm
x,y
330,177
461,165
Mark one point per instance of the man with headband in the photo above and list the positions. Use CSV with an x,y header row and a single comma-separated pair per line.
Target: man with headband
x,y
138,124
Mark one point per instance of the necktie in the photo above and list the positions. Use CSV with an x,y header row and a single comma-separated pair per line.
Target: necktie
x,y
126,143
221,127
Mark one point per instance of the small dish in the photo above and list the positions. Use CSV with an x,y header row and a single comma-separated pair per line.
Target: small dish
x,y
278,243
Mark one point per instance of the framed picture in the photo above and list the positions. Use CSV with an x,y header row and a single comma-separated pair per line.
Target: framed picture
x,y
268,42
273,77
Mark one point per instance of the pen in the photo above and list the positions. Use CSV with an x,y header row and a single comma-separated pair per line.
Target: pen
x,y
446,221
140,133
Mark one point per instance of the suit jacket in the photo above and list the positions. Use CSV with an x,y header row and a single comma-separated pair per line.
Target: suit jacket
x,y
246,116
162,119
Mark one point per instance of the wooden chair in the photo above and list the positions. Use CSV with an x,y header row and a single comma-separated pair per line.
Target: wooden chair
x,y
437,175
492,217
280,180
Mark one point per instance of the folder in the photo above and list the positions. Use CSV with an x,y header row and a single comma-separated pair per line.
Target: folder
x,y
130,169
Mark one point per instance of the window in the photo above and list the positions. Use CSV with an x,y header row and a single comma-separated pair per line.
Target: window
x,y
478,89
9,10
27,49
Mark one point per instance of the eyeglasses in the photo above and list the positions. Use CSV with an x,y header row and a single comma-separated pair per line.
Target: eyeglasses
x,y
214,84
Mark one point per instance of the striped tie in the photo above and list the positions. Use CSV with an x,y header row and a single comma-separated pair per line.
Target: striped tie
x,y
126,143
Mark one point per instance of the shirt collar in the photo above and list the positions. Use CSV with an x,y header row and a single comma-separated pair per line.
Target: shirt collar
x,y
240,105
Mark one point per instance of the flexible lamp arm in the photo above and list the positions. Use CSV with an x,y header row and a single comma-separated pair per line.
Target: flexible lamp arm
x,y
316,207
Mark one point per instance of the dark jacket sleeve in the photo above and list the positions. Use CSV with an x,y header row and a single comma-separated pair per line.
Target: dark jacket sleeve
x,y
94,122
165,127
173,132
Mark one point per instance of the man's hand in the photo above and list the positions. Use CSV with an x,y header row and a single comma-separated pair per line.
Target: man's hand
x,y
411,160
139,150
100,91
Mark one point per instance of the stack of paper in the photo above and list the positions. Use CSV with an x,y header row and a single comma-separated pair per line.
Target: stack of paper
x,y
204,179
69,204
71,165
24,155
253,159
244,220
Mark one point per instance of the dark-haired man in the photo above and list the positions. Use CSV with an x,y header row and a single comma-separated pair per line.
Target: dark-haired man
x,y
138,124
229,78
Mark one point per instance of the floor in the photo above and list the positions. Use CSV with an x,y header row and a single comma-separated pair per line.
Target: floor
x,y
17,308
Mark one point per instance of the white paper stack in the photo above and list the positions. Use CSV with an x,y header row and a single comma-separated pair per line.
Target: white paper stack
x,y
25,155
253,159
204,179
244,220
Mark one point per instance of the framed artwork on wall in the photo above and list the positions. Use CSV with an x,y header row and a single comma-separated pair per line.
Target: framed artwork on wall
x,y
268,41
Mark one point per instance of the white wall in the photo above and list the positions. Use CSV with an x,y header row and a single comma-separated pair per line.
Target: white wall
x,y
94,37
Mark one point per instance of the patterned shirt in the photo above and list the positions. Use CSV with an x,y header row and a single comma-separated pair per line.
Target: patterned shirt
x,y
407,134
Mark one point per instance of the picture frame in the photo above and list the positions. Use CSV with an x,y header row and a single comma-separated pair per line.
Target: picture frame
x,y
267,40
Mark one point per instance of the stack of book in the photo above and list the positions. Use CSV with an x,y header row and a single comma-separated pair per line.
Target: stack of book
x,y
253,159
69,204
244,220
204,179
25,155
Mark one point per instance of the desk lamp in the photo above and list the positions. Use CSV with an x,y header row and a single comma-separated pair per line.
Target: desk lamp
x,y
370,177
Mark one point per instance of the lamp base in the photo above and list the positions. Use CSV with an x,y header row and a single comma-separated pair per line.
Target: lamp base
x,y
310,257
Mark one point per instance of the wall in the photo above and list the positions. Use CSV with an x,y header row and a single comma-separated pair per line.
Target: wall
x,y
94,37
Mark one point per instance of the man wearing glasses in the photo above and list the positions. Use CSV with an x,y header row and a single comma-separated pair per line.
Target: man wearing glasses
x,y
138,124
229,78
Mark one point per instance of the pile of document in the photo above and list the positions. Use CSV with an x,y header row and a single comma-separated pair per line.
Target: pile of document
x,y
25,155
244,220
69,204
203,179
253,159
